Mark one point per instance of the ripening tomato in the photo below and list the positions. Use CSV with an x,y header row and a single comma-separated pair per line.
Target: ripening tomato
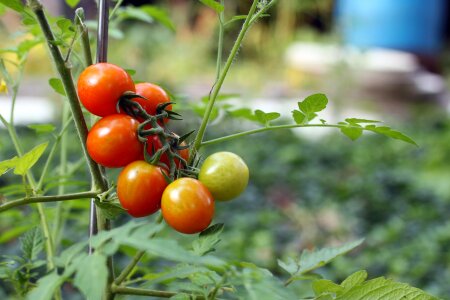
x,y
187,205
225,175
140,187
113,141
154,143
154,95
101,85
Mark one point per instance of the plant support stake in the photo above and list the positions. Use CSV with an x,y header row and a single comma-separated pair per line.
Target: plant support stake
x,y
102,53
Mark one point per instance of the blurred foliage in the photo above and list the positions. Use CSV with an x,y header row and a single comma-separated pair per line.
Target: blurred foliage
x,y
321,192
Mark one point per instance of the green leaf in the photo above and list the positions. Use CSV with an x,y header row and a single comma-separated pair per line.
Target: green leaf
x,y
72,3
13,4
110,209
32,243
259,283
65,25
352,132
354,280
57,86
213,4
266,118
299,117
359,121
46,287
322,286
311,260
42,128
159,15
181,296
27,161
8,164
91,275
313,104
131,12
170,250
382,288
234,19
13,232
207,240
130,72
245,113
180,271
25,46
290,265
387,131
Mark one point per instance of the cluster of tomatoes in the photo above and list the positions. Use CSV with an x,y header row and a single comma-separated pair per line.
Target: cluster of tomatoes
x,y
132,134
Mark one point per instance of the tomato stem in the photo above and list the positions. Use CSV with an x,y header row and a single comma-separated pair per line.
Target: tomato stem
x,y
252,16
43,199
276,127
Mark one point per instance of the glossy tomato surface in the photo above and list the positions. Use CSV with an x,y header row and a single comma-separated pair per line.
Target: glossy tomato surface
x,y
140,187
187,206
154,95
113,141
100,87
225,174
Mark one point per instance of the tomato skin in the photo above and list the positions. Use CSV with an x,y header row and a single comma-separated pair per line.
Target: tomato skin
x,y
100,87
113,141
187,206
225,174
139,187
154,95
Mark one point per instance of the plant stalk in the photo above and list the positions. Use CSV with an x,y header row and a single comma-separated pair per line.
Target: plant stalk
x,y
43,199
218,85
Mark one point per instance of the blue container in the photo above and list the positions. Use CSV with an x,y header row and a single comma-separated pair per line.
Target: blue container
x,y
411,25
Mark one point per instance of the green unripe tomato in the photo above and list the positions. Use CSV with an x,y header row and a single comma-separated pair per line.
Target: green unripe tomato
x,y
225,175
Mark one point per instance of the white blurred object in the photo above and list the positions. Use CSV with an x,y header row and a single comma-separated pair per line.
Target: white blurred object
x,y
377,68
28,110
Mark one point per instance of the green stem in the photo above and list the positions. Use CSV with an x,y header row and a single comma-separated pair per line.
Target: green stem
x,y
218,85
79,18
277,127
141,292
118,4
43,199
32,182
129,268
220,42
15,92
58,221
67,81
51,154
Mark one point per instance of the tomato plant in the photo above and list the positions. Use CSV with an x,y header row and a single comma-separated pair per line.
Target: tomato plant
x,y
140,187
113,141
225,174
100,87
187,205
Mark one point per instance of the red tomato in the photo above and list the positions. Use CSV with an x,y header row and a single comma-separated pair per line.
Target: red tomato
x,y
155,95
187,205
140,187
113,141
153,143
100,87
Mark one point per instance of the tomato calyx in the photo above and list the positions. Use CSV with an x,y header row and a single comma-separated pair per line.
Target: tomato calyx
x,y
169,144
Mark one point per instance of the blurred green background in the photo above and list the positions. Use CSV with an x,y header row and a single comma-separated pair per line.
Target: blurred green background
x,y
309,188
